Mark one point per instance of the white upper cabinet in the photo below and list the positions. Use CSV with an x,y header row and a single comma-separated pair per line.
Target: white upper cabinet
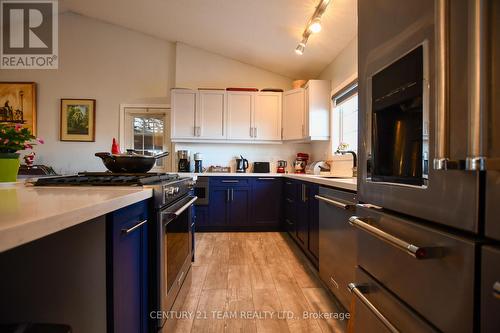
x,y
217,115
294,114
198,114
240,105
211,114
184,105
306,112
267,116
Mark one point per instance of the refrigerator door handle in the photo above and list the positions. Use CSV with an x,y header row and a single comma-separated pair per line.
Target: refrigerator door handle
x,y
408,248
477,131
358,290
442,22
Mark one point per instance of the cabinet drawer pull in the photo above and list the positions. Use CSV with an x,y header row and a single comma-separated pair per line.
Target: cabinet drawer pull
x,y
335,203
230,181
410,249
358,292
289,222
335,284
135,227
266,178
288,183
496,289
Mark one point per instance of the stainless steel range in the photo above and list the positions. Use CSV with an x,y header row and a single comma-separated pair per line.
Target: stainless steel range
x,y
171,233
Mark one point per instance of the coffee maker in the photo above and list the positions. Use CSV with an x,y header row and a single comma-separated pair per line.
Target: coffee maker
x,y
241,165
198,163
184,164
281,166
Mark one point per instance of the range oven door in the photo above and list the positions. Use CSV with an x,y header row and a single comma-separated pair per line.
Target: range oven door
x,y
398,123
175,247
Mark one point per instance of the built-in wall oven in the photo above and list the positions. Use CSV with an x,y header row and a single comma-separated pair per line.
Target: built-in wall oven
x,y
175,248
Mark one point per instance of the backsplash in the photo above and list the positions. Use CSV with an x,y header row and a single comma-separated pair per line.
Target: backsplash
x,y
226,154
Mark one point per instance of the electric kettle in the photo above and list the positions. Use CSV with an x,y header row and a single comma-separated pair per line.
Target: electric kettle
x,y
241,165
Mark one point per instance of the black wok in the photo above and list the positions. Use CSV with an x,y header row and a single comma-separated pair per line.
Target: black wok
x,y
130,162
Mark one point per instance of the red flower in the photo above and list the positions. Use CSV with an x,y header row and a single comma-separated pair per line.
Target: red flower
x,y
40,140
18,127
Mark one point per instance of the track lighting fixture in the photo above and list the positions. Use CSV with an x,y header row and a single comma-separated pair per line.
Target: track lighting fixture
x,y
313,26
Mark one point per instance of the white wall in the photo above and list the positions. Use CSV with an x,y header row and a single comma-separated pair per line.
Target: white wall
x,y
226,154
341,71
344,68
101,61
196,68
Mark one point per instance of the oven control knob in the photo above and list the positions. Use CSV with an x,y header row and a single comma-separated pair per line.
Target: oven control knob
x,y
169,191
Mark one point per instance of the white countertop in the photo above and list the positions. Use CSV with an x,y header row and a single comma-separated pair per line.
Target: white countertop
x,y
342,183
28,213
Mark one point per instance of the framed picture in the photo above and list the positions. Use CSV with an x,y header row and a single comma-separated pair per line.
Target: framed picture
x,y
18,104
78,120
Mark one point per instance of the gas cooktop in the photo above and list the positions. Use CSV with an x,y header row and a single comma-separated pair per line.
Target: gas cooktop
x,y
107,179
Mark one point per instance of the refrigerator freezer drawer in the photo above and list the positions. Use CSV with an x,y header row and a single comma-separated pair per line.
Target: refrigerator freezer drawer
x,y
376,310
430,270
337,241
490,290
492,217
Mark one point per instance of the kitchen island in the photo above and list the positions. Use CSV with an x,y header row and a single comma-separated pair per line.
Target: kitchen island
x,y
28,213
67,256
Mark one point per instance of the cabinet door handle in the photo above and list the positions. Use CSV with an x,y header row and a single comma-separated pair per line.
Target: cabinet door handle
x,y
335,203
230,181
289,222
410,249
232,194
358,292
227,195
135,227
289,200
266,178
251,132
255,132
496,290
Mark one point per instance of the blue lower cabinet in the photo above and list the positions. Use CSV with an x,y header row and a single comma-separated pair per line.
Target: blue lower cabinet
x,y
218,209
201,216
239,207
127,275
266,200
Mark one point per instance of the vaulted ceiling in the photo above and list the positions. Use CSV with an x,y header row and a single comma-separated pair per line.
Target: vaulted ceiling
x,y
263,33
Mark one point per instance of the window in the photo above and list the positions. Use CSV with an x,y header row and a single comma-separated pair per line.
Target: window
x,y
345,118
147,131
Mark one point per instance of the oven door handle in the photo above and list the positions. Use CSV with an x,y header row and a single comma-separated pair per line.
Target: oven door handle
x,y
179,211
357,290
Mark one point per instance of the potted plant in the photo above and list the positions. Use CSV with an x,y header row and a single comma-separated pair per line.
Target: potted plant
x,y
12,140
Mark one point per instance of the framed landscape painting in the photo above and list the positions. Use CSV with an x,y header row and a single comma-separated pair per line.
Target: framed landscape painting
x,y
78,120
18,104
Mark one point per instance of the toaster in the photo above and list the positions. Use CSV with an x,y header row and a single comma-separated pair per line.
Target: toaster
x,y
261,167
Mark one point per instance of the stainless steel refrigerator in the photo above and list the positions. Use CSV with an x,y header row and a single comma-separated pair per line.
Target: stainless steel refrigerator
x,y
428,222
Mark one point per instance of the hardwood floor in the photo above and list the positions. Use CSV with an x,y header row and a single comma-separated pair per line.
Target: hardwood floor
x,y
252,282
